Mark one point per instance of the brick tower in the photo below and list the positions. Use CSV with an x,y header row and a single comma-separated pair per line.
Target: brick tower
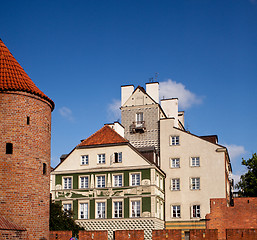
x,y
25,138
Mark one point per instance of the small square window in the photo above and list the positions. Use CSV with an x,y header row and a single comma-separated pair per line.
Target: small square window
x,y
174,140
100,181
195,162
118,157
196,211
175,184
195,183
67,207
175,211
135,179
84,160
101,158
67,183
84,182
175,163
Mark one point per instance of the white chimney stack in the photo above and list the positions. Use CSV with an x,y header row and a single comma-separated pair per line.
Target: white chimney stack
x,y
126,92
152,89
170,107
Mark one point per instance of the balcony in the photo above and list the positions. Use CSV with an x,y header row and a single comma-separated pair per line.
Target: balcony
x,y
138,126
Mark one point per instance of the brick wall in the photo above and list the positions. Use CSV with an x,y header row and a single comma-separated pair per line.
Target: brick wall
x,y
129,235
166,234
60,235
242,215
13,235
89,235
204,234
237,234
26,203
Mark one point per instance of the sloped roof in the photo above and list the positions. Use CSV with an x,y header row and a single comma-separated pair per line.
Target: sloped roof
x,y
106,135
14,78
6,224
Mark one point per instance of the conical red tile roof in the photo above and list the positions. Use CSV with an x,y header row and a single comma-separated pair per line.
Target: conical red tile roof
x,y
14,78
106,135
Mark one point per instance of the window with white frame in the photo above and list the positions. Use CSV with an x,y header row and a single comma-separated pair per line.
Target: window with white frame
x,y
84,181
175,184
175,163
117,180
135,208
100,210
135,179
174,140
84,160
195,183
157,180
195,162
83,214
100,181
175,211
118,157
195,211
101,158
67,182
161,183
66,207
139,117
117,209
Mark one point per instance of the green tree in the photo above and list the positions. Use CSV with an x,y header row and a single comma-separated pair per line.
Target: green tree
x,y
62,220
248,182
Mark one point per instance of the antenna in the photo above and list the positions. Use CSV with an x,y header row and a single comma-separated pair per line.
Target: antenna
x,y
156,76
150,79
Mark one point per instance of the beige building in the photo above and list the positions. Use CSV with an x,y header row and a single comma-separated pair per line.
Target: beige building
x,y
197,168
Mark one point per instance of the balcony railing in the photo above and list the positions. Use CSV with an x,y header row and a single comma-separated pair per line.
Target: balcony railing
x,y
138,126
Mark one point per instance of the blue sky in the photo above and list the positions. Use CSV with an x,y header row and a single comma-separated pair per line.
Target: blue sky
x,y
80,52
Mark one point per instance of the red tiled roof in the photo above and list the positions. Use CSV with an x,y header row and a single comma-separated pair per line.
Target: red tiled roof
x,y
8,225
106,135
14,78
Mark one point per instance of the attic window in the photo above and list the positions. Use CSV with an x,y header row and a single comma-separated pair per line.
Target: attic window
x,y
28,120
9,148
118,157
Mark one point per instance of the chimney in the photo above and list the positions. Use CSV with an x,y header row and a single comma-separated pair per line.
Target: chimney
x,y
152,89
116,126
170,107
126,92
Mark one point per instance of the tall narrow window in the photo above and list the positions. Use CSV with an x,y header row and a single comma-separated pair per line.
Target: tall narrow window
x,y
44,168
9,148
28,120
83,210
118,157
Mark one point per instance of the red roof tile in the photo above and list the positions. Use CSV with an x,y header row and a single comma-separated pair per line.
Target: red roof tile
x,y
14,78
106,135
6,224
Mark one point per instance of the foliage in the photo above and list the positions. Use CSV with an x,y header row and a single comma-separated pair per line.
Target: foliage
x,y
248,182
62,220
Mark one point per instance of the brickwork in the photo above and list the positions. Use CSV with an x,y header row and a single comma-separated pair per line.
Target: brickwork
x,y
129,234
151,117
24,188
60,235
210,234
13,235
88,235
237,234
166,234
242,215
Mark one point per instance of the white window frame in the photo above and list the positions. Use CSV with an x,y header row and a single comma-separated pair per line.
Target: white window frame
x,y
195,183
174,140
196,208
105,209
176,208
66,185
138,204
195,161
80,210
139,117
122,208
131,178
67,203
84,176
119,157
157,180
175,184
84,160
113,180
96,183
101,158
161,183
174,162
